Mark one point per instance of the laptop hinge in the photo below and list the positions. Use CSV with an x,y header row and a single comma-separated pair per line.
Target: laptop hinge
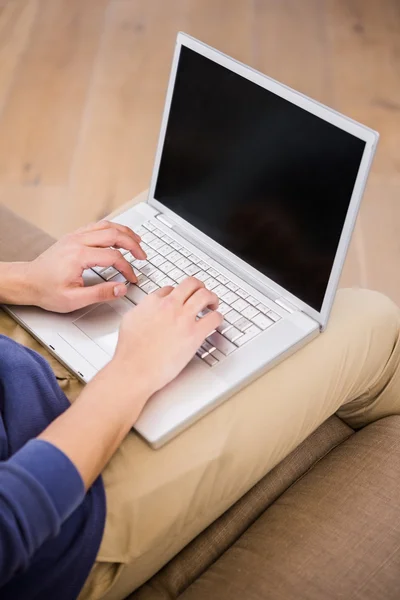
x,y
165,221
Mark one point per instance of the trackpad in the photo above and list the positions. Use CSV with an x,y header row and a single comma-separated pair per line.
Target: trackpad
x,y
102,325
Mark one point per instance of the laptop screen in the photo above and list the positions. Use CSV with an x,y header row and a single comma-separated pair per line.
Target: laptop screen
x,y
263,177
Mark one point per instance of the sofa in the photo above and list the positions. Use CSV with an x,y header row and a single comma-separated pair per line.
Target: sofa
x,y
322,525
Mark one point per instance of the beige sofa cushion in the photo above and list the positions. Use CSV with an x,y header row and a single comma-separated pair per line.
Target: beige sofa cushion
x,y
193,560
334,534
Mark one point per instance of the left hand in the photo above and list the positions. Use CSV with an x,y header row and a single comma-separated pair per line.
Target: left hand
x,y
55,278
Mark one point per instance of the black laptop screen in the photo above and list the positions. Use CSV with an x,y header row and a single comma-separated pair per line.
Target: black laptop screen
x,y
266,179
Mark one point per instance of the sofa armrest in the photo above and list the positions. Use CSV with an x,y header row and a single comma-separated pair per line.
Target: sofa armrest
x,y
19,240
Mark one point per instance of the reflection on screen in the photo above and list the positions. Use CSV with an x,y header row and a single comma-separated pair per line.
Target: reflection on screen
x,y
266,179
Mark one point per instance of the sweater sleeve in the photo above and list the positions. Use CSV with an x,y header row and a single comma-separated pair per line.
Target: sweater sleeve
x,y
39,489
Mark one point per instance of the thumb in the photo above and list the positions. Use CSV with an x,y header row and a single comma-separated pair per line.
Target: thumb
x,y
102,292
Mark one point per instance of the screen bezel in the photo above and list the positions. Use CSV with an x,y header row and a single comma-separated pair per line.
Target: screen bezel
x,y
218,252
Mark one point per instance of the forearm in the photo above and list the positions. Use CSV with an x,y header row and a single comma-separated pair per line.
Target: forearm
x,y
15,287
91,431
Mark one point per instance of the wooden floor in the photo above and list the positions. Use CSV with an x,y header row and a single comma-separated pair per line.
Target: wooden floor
x,y
82,85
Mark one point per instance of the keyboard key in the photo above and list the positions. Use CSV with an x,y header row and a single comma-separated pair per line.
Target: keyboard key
x,y
150,287
150,253
139,264
210,360
129,257
158,232
240,304
108,273
191,270
174,256
185,252
119,278
148,237
250,312
274,316
218,355
230,297
140,230
123,251
232,316
211,283
167,239
223,308
175,273
148,269
203,265
243,324
221,344
166,281
262,308
220,290
156,243
262,321
223,279
241,293
251,332
182,278
149,225
233,334
232,286
195,259
157,276
252,300
201,352
167,267
207,346
213,272
182,263
142,280
165,250
175,245
98,270
135,294
202,276
224,327
157,260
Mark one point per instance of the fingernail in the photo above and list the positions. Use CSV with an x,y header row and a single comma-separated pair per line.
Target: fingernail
x,y
119,290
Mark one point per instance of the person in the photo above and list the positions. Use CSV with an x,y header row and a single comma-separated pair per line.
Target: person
x,y
86,507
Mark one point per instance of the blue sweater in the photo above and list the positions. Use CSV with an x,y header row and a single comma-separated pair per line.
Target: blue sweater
x,y
50,531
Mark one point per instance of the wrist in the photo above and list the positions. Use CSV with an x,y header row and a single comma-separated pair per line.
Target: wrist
x,y
15,283
128,389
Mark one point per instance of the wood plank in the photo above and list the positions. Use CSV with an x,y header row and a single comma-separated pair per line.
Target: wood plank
x,y
115,159
380,215
290,45
41,120
16,21
364,40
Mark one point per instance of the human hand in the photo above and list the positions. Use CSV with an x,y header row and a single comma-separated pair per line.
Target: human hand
x,y
159,337
54,280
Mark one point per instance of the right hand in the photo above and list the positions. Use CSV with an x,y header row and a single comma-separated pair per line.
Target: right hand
x,y
160,336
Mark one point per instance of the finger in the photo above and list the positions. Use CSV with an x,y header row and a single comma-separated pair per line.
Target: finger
x,y
164,291
107,257
187,288
103,292
201,300
104,224
209,323
104,238
123,228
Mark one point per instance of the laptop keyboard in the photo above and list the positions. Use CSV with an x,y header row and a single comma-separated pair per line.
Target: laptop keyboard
x,y
169,263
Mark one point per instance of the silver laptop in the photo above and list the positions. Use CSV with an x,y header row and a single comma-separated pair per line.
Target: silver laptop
x,y
255,191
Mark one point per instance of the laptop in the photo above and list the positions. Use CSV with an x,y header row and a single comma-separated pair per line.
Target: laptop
x,y
255,191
